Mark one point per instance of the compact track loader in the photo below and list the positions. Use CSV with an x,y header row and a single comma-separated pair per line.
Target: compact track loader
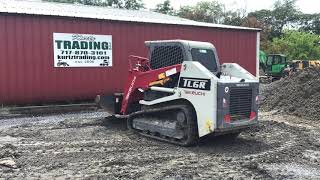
x,y
182,93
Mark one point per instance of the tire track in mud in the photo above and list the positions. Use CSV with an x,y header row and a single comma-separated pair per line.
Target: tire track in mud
x,y
302,137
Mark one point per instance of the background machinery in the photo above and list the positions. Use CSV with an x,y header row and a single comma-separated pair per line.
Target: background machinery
x,y
274,66
298,65
182,93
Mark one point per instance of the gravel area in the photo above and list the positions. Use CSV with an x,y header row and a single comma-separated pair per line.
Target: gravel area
x,y
87,145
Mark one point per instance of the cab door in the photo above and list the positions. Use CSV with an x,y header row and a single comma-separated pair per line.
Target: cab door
x,y
276,64
269,64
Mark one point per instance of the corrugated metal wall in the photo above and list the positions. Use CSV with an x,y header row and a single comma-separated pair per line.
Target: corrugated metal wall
x,y
27,74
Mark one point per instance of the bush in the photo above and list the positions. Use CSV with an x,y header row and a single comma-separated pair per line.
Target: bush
x,y
297,45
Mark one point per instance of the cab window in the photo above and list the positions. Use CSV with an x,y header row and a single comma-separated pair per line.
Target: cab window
x,y
277,59
269,61
206,57
283,60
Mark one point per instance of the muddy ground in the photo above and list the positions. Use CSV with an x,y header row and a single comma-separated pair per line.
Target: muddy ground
x,y
86,145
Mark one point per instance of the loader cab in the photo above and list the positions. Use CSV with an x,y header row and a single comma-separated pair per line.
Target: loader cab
x,y
275,64
170,52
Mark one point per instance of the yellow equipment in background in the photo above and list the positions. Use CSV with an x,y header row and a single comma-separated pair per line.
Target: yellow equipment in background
x,y
314,63
301,64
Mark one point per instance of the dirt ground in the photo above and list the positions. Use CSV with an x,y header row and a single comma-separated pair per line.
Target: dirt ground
x,y
86,146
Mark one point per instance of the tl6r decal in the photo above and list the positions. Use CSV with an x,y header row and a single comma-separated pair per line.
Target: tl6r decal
x,y
195,83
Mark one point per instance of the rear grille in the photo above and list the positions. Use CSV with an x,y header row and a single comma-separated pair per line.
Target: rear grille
x,y
164,56
240,103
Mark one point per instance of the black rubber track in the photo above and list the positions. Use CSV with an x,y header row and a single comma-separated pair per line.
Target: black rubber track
x,y
191,128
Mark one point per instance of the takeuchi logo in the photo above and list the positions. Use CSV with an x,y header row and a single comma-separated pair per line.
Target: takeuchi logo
x,y
79,37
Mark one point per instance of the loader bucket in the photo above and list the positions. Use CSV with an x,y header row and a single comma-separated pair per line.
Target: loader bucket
x,y
107,103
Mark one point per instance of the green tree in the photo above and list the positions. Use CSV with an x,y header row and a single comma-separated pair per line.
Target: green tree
x,y
165,8
213,12
205,11
310,23
124,4
297,45
252,22
263,16
112,3
284,15
133,4
235,17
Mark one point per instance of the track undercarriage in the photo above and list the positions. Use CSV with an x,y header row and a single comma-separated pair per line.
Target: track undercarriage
x,y
174,123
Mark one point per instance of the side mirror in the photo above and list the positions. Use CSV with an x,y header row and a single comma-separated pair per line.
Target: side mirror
x,y
218,74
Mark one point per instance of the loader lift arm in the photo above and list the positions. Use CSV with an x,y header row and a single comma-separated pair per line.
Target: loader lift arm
x,y
141,77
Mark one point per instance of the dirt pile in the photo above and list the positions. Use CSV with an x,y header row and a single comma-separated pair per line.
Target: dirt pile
x,y
298,94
